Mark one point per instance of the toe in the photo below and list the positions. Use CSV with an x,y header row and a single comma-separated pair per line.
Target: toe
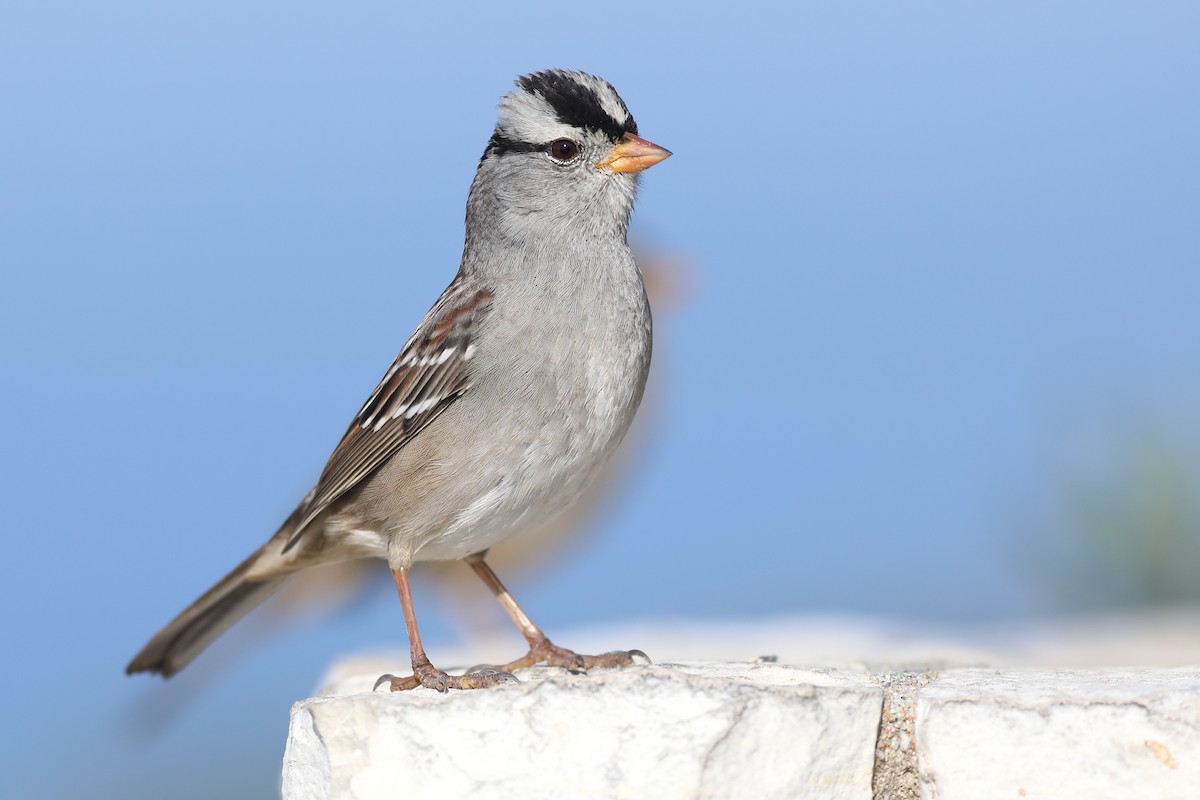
x,y
617,658
572,662
433,678
485,679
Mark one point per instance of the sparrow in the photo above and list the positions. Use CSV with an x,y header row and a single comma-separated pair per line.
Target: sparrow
x,y
506,401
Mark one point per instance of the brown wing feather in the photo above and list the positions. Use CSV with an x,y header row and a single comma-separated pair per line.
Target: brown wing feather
x,y
428,375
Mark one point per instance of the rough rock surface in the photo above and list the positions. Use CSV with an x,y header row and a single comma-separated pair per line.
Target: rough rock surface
x,y
1060,735
921,719
662,731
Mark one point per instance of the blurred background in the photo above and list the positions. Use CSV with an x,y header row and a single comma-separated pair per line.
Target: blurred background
x,y
926,286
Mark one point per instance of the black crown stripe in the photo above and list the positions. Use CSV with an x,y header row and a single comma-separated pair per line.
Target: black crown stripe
x,y
577,105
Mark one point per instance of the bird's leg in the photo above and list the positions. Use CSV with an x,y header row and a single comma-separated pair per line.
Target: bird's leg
x,y
541,649
424,673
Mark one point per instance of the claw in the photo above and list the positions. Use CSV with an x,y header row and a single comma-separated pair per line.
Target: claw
x,y
397,684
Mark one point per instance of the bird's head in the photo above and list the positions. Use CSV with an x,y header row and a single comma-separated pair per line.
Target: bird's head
x,y
565,151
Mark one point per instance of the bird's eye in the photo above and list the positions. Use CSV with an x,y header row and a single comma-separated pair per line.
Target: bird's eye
x,y
562,150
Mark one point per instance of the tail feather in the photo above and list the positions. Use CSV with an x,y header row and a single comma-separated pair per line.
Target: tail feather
x,y
186,636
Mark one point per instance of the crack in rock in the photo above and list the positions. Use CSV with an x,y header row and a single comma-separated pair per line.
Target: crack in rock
x,y
896,775
738,712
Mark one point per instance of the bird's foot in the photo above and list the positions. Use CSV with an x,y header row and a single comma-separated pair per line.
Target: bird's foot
x,y
546,652
429,676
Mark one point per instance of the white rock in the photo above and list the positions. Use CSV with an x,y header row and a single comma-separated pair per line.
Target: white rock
x,y
1060,734
664,731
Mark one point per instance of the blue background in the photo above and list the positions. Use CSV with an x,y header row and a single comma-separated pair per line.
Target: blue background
x,y
939,264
